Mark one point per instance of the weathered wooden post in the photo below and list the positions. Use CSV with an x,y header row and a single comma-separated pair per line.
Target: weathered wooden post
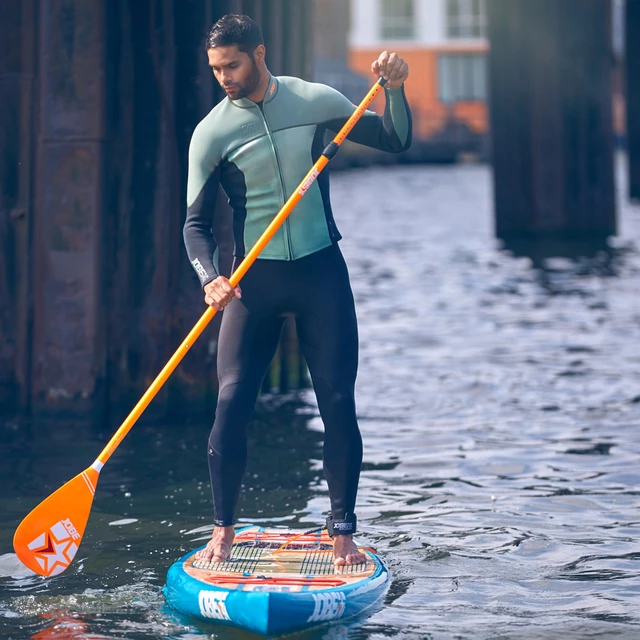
x,y
632,48
68,252
98,102
551,118
17,33
9,70
146,309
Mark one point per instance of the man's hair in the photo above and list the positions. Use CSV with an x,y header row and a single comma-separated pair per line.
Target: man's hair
x,y
235,29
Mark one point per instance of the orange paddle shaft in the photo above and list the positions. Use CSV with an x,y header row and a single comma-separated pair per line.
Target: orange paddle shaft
x,y
276,223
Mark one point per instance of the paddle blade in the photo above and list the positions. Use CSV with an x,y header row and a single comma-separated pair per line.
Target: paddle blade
x,y
48,538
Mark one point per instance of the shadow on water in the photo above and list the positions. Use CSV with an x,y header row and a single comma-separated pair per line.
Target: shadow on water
x,y
559,259
594,250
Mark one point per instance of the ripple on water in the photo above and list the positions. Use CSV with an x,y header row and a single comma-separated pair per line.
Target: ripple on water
x,y
498,398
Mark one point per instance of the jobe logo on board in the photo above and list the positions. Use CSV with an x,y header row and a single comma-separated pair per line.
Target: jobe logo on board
x,y
55,549
212,604
329,606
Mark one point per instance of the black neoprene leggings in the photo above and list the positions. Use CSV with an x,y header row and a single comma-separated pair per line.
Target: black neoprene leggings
x,y
316,290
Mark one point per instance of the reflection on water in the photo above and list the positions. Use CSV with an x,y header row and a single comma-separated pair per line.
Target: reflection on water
x,y
498,397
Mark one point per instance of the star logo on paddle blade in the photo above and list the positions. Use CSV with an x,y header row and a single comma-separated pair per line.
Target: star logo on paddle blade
x,y
55,549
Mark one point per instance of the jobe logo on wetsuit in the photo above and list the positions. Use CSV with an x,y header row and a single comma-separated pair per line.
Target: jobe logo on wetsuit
x,y
249,129
212,604
200,270
329,606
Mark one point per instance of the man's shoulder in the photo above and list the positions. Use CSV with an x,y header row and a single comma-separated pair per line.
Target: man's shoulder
x,y
219,130
306,89
220,113
312,101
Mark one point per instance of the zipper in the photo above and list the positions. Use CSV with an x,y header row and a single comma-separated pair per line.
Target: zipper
x,y
285,226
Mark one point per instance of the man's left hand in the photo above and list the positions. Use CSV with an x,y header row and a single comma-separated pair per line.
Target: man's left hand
x,y
391,67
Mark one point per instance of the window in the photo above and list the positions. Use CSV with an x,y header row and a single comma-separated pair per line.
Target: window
x,y
397,19
462,77
466,19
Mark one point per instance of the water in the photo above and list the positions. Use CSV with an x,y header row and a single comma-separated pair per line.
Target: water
x,y
499,404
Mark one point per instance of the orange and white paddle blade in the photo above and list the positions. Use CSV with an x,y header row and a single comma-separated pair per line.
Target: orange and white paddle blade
x,y
48,538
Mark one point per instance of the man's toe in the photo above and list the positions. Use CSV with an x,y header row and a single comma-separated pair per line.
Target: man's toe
x,y
356,558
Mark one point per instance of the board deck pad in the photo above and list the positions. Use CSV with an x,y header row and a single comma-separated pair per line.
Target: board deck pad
x,y
282,559
275,581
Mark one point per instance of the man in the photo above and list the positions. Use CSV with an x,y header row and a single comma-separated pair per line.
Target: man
x,y
258,144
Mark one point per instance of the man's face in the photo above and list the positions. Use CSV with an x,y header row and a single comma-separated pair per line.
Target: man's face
x,y
236,71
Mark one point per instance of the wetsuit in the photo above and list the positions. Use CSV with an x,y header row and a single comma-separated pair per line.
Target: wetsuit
x,y
259,154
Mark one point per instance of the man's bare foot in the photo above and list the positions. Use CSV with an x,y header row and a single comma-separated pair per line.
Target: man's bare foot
x,y
345,551
219,547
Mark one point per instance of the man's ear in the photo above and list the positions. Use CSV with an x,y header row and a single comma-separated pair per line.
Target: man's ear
x,y
259,53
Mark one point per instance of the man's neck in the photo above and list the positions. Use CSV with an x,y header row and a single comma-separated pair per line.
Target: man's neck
x,y
259,94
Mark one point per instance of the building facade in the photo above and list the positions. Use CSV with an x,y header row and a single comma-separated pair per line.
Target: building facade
x,y
444,42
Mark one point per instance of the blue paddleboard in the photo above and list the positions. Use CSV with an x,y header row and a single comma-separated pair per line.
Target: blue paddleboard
x,y
274,582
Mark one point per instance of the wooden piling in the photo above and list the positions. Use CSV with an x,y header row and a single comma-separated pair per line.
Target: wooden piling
x,y
14,82
99,99
632,57
551,118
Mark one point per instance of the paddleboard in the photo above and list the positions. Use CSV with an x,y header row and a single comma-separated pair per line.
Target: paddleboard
x,y
274,582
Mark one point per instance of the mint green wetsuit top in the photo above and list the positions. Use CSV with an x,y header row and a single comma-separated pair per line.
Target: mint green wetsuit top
x,y
259,154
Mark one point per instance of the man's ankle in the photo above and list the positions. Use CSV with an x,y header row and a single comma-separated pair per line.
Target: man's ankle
x,y
224,529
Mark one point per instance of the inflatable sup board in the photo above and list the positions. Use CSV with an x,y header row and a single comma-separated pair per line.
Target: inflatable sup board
x,y
275,581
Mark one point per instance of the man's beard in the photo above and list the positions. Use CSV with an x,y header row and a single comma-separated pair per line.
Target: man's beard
x,y
250,85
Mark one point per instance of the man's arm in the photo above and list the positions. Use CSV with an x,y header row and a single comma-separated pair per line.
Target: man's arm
x,y
389,132
392,131
198,231
202,190
203,182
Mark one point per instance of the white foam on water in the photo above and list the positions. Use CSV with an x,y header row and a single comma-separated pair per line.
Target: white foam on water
x,y
11,567
120,523
207,528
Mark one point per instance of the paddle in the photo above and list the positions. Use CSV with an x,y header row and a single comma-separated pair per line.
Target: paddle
x,y
47,540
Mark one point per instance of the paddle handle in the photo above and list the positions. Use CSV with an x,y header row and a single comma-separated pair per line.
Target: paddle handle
x,y
329,152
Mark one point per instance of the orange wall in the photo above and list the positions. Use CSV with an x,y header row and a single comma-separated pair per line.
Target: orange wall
x,y
429,114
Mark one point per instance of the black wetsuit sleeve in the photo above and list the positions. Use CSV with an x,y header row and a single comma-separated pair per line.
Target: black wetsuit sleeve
x,y
198,234
390,132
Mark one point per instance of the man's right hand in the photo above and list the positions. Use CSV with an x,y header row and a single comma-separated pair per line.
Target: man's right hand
x,y
219,293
